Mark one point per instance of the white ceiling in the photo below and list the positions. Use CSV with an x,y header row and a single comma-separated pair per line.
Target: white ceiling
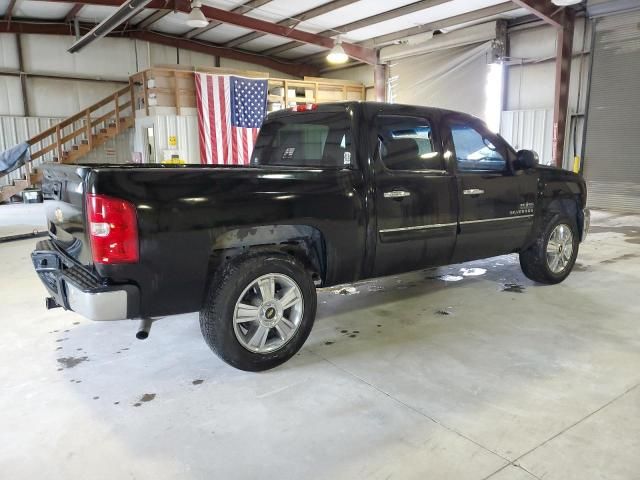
x,y
274,11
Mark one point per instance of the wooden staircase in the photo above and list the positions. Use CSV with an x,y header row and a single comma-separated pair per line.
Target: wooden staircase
x,y
76,136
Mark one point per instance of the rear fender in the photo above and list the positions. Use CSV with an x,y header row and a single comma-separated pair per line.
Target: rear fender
x,y
305,243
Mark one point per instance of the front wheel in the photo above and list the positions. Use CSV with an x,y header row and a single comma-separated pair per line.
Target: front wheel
x,y
259,311
551,257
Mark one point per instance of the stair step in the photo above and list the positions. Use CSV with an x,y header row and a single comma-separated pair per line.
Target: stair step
x,y
35,177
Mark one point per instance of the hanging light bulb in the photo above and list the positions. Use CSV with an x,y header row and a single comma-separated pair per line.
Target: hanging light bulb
x,y
337,54
196,18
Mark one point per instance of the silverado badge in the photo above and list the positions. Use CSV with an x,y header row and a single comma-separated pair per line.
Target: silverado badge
x,y
525,208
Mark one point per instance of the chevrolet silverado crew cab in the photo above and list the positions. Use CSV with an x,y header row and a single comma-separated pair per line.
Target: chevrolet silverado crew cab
x,y
334,193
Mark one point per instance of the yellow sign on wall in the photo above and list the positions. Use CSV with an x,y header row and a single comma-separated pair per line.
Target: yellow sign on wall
x,y
173,141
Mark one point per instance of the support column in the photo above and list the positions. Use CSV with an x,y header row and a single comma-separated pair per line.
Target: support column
x,y
380,81
23,76
564,50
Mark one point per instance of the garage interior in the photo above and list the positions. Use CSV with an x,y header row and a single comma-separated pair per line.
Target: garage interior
x,y
469,371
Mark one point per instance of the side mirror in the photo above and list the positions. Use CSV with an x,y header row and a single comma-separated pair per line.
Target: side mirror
x,y
527,159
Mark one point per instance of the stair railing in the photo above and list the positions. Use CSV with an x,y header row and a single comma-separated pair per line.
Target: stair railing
x,y
81,127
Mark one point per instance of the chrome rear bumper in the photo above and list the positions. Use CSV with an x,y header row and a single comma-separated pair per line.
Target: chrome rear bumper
x,y
76,288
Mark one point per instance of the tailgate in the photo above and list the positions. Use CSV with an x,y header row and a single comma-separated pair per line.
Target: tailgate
x,y
66,214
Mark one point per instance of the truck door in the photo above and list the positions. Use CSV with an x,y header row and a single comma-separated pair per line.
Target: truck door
x,y
496,203
416,204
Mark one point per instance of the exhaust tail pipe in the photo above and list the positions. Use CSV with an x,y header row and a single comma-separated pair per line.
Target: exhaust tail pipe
x,y
144,328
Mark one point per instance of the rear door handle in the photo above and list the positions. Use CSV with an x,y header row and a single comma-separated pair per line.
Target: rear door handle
x,y
473,191
397,194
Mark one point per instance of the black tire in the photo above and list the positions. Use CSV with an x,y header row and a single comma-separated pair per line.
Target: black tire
x,y
225,289
533,261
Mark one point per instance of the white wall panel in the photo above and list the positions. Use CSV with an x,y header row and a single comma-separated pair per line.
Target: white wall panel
x,y
531,130
51,97
196,59
8,52
10,96
362,74
184,128
111,58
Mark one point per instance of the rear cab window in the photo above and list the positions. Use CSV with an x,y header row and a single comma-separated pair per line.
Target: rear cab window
x,y
305,139
407,143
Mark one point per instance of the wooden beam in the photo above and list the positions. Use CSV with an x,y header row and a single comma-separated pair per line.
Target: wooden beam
x,y
295,20
542,9
291,68
46,28
151,19
365,22
356,51
295,69
564,50
244,8
73,12
9,12
216,14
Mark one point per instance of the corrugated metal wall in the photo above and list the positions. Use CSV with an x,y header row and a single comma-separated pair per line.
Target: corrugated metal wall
x,y
185,130
612,158
531,130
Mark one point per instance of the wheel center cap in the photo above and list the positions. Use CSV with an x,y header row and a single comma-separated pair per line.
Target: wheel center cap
x,y
270,314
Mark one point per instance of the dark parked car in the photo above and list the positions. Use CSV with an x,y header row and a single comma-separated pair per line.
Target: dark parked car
x,y
335,193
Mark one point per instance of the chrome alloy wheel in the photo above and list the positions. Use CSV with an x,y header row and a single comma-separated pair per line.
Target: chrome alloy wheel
x,y
268,313
559,248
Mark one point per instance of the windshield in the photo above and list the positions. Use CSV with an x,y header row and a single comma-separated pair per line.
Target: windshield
x,y
315,139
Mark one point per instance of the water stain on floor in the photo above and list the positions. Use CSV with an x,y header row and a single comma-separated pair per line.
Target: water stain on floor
x,y
626,256
147,397
70,362
630,232
513,288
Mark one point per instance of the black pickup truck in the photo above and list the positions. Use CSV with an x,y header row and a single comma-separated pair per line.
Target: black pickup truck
x,y
335,193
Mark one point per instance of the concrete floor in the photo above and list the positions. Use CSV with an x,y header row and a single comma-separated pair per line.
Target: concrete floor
x,y
411,377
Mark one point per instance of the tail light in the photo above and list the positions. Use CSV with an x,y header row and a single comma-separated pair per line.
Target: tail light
x,y
307,107
113,230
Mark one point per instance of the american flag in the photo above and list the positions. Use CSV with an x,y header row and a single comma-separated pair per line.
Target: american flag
x,y
230,112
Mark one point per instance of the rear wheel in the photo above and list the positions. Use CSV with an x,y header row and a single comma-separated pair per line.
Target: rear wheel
x,y
551,257
259,311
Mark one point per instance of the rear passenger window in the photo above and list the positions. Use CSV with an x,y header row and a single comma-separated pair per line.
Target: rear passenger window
x,y
305,140
406,143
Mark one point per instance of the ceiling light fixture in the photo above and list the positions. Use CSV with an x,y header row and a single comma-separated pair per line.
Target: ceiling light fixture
x,y
337,54
196,18
565,3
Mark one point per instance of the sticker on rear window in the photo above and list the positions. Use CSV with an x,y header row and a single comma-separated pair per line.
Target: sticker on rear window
x,y
347,158
288,153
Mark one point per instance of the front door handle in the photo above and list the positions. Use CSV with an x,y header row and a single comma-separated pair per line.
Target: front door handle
x,y
397,194
473,191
